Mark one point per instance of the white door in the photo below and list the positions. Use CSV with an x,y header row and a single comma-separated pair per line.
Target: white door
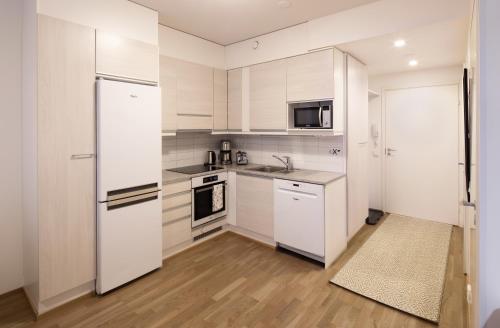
x,y
422,152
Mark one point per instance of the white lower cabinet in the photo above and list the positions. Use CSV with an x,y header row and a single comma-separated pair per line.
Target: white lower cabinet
x,y
255,205
176,215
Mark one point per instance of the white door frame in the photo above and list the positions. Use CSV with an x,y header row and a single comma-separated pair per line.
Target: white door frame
x,y
384,145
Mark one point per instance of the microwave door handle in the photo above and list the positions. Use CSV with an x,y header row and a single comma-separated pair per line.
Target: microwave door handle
x,y
320,116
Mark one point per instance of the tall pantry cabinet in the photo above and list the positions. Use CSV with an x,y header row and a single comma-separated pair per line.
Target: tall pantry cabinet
x,y
357,145
63,224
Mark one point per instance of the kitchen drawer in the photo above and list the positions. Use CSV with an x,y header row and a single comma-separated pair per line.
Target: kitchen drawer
x,y
303,187
177,232
177,200
177,213
177,187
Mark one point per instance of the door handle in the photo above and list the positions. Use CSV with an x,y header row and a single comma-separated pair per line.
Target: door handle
x,y
388,151
82,156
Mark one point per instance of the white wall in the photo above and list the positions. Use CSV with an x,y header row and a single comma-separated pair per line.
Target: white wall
x,y
489,158
11,259
190,48
371,20
122,17
438,76
29,166
288,42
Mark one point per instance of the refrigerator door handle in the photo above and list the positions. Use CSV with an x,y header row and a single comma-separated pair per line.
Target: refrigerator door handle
x,y
129,201
131,192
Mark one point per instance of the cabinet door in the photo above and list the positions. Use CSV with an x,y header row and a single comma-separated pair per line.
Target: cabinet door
x,y
176,233
220,100
357,145
66,166
310,76
234,99
122,57
168,84
339,103
195,89
255,205
268,108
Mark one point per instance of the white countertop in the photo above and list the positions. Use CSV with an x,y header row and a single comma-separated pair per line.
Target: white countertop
x,y
302,175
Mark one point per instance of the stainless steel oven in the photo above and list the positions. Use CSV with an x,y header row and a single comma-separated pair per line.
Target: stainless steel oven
x,y
209,198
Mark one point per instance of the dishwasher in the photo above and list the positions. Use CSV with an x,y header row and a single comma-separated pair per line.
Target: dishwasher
x,y
299,216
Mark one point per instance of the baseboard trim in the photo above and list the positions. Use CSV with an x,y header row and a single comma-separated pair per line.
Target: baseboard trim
x,y
69,296
267,241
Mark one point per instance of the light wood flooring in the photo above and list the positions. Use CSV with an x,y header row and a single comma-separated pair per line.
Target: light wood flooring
x,y
231,281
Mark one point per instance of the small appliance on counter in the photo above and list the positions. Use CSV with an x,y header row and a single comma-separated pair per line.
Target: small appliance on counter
x,y
211,158
241,158
225,152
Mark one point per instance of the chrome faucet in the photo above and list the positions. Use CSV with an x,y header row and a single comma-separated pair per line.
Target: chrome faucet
x,y
286,161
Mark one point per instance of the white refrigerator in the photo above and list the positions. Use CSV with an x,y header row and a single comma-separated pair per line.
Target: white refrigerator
x,y
129,179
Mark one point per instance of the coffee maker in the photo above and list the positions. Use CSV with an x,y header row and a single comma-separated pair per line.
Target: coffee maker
x,y
225,152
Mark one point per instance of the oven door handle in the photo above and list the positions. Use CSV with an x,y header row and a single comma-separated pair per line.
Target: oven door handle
x,y
320,116
204,189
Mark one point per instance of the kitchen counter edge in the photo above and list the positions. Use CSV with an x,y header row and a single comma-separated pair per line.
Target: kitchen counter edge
x,y
301,175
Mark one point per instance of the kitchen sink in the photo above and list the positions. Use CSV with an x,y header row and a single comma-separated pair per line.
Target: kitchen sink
x,y
270,169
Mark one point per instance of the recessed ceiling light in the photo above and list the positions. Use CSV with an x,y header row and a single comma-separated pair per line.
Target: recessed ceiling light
x,y
399,43
413,62
284,4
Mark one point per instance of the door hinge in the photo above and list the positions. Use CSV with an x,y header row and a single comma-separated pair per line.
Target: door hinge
x,y
469,294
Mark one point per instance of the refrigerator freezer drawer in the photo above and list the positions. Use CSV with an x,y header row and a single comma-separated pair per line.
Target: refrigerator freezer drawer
x,y
129,240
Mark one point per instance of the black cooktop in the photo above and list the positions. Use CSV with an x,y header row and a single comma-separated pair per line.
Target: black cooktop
x,y
194,169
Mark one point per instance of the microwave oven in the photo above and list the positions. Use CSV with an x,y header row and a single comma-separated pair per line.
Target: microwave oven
x,y
312,115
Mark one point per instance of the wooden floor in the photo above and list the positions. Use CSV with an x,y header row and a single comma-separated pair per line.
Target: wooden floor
x,y
231,281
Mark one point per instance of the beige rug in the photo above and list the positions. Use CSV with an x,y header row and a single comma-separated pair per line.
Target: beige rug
x,y
402,264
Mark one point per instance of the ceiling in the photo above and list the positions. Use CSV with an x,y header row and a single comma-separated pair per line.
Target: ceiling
x,y
438,45
230,21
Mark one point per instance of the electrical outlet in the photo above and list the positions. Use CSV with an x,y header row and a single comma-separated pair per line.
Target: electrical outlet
x,y
334,151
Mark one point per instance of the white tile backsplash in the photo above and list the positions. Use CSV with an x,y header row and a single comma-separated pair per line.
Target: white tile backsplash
x,y
188,149
306,152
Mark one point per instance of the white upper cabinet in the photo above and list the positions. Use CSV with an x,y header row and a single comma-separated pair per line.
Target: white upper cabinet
x,y
121,57
168,84
339,102
188,95
234,99
268,107
310,76
220,100
195,89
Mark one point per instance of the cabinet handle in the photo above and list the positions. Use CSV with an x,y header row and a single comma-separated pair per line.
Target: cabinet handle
x,y
82,156
294,198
